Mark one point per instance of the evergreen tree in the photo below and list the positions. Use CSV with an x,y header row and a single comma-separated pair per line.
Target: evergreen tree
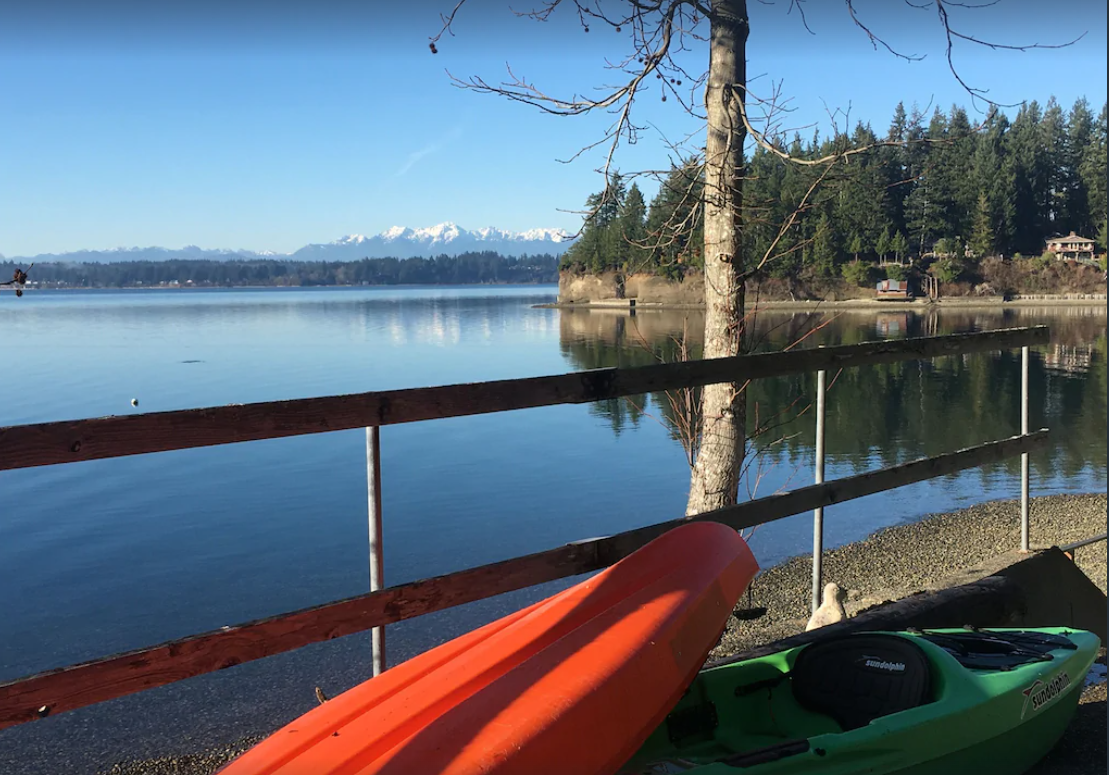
x,y
595,250
632,222
981,234
674,228
994,176
900,246
1077,215
1092,170
896,175
856,246
1030,180
927,205
960,170
882,246
860,212
1056,178
825,250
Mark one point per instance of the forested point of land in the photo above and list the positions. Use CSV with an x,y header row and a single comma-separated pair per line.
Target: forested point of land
x,y
943,190
464,269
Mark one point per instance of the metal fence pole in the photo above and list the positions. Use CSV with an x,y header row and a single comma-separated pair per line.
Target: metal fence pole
x,y
1024,400
377,554
818,513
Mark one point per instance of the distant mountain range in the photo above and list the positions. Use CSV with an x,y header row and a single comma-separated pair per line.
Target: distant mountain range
x,y
397,242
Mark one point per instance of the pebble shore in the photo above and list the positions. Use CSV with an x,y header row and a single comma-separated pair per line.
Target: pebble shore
x,y
889,564
900,560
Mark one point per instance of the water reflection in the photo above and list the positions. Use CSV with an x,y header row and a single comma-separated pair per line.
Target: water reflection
x,y
890,412
1070,359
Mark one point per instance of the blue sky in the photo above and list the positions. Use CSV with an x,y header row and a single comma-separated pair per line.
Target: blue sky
x,y
272,126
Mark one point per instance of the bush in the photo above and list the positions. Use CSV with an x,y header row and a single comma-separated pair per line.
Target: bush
x,y
947,270
1044,260
895,272
856,273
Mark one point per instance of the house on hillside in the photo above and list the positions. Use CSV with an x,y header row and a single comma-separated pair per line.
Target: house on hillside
x,y
1071,248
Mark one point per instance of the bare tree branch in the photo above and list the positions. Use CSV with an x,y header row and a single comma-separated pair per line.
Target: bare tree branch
x,y
19,279
950,35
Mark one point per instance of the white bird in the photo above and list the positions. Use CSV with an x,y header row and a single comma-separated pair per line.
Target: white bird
x,y
134,402
831,607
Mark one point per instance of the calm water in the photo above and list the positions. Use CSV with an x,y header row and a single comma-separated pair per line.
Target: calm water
x,y
109,555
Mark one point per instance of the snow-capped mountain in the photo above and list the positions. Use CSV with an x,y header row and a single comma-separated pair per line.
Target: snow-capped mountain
x,y
189,252
397,242
444,238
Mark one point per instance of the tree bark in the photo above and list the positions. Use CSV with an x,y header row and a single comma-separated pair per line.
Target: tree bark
x,y
714,482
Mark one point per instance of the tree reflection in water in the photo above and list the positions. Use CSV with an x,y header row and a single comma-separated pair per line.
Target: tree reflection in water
x,y
888,412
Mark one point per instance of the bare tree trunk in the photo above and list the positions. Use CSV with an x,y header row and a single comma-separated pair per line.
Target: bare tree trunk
x,y
715,479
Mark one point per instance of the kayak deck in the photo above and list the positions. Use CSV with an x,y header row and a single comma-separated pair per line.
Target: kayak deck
x,y
951,701
573,683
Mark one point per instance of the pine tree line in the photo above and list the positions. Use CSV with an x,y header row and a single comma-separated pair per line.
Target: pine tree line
x,y
944,188
484,267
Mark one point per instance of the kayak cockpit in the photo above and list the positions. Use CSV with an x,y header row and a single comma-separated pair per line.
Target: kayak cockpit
x,y
858,679
784,700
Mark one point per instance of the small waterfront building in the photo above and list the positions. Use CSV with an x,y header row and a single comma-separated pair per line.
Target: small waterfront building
x,y
1071,248
893,289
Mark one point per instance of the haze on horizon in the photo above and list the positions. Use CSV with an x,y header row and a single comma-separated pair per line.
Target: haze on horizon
x,y
270,127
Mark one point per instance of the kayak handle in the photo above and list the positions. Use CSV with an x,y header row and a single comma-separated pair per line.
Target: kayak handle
x,y
768,683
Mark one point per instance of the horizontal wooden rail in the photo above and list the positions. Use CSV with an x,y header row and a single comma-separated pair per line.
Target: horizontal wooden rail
x,y
70,441
75,686
1069,548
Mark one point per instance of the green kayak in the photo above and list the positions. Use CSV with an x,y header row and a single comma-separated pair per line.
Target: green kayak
x,y
946,702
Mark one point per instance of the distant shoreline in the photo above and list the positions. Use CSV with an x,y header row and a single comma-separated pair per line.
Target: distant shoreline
x,y
29,289
855,305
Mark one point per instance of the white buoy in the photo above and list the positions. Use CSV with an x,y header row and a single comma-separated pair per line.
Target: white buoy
x,y
831,607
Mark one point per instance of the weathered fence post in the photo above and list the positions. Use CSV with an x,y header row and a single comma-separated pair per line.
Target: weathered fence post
x,y
818,513
377,554
1024,401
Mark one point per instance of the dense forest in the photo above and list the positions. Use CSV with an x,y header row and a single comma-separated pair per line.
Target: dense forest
x,y
940,188
467,268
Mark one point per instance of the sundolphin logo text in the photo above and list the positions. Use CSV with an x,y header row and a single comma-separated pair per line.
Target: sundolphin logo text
x,y
1039,694
881,664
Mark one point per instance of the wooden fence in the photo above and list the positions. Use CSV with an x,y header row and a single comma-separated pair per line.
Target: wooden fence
x,y
75,686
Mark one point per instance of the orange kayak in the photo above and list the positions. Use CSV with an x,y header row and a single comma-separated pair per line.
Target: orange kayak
x,y
573,684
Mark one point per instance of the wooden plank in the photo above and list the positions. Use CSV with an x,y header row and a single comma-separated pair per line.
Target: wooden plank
x,y
75,686
774,507
1057,593
69,441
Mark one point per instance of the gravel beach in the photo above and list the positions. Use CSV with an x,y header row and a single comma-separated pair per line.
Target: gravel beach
x,y
889,564
900,560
